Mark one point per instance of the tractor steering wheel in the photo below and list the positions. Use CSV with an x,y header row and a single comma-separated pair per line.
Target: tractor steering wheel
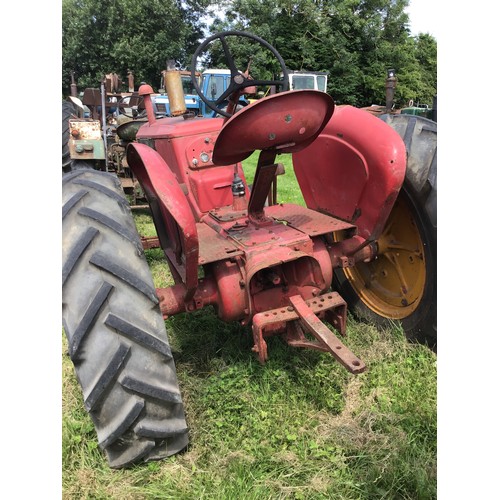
x,y
238,79
140,111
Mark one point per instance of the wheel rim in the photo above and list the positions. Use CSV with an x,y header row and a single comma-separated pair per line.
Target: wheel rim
x,y
393,284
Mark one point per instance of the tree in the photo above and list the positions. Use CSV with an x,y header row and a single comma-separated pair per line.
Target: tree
x,y
356,41
426,55
100,37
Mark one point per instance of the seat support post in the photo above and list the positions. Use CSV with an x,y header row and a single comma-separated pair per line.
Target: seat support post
x,y
264,177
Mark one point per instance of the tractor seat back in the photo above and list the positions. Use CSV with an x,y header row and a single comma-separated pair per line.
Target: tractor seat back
x,y
286,123
91,97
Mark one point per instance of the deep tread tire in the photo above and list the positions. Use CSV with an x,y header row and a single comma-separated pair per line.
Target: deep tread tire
x,y
419,194
116,334
420,137
67,111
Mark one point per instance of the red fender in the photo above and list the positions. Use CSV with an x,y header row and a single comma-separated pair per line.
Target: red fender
x,y
353,170
172,215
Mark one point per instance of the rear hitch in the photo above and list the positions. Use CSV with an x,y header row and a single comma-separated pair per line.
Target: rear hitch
x,y
301,316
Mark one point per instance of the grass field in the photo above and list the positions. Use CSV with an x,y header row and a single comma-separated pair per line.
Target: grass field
x,y
299,427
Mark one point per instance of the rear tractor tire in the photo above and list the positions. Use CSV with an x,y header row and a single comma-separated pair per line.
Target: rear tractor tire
x,y
67,111
116,334
400,284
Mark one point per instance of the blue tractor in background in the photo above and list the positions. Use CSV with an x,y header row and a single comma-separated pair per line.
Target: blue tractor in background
x,y
213,83
161,103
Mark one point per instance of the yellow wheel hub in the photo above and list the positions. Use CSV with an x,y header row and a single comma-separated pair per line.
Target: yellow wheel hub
x,y
393,284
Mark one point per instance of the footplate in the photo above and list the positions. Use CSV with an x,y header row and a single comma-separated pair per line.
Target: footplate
x,y
302,315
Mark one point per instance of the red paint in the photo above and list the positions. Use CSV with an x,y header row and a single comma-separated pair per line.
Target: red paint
x,y
174,220
256,259
358,168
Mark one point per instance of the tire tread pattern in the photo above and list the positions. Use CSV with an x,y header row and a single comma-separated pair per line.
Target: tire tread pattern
x,y
67,111
116,334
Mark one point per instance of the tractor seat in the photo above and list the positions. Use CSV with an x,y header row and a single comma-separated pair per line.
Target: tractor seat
x,y
91,97
286,123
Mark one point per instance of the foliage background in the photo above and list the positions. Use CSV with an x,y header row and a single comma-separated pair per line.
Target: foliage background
x,y
355,41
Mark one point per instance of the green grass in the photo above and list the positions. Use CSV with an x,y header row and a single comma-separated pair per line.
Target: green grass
x,y
288,190
298,427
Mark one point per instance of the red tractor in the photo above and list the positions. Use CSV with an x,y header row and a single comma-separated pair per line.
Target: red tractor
x,y
281,269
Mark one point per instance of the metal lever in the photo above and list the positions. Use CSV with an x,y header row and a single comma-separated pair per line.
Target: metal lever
x,y
325,337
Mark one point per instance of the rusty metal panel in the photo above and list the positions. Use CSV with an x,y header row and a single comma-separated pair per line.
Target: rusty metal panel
x,y
275,234
213,246
150,242
228,214
306,220
85,129
292,224
85,140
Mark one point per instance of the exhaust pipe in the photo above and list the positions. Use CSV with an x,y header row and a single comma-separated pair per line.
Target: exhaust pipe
x,y
390,85
175,92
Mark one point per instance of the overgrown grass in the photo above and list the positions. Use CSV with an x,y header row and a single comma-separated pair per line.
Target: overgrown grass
x,y
298,427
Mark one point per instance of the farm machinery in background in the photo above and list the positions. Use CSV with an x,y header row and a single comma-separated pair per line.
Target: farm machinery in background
x,y
90,123
102,137
362,241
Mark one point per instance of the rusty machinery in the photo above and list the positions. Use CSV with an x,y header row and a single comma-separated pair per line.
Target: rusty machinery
x,y
93,136
265,264
268,266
